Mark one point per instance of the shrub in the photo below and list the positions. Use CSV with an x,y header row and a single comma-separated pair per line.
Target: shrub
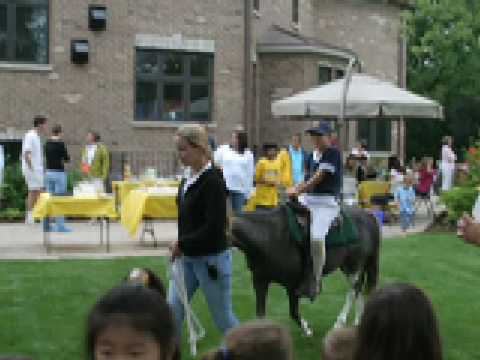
x,y
73,178
14,189
462,198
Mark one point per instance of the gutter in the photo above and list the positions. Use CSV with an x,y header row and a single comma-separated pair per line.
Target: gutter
x,y
247,87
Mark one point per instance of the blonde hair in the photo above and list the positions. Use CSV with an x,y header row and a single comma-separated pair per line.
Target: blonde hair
x,y
339,344
196,136
255,340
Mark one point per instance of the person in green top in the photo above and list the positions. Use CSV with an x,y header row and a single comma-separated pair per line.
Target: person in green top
x,y
95,158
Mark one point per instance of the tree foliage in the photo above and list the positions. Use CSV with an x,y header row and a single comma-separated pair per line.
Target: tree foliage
x,y
444,63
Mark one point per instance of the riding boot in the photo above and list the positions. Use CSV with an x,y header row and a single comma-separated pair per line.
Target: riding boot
x,y
318,256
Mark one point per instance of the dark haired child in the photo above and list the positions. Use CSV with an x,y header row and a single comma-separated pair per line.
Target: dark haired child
x,y
399,323
131,322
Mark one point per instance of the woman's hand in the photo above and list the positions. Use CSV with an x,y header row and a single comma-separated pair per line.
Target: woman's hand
x,y
175,251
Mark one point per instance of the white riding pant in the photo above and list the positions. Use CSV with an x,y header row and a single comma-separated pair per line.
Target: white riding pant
x,y
323,210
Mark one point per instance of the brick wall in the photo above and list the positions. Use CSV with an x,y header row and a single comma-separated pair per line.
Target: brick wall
x,y
100,95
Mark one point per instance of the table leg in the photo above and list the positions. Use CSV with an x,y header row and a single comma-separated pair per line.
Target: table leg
x,y
46,240
108,234
101,231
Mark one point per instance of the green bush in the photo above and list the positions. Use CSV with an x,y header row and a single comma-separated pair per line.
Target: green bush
x,y
459,200
14,189
73,178
10,214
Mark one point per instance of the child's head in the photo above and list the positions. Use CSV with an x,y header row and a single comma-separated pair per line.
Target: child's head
x,y
270,151
339,344
408,180
399,323
256,340
131,322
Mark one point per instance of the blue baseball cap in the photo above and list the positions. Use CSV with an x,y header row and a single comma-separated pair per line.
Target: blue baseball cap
x,y
323,128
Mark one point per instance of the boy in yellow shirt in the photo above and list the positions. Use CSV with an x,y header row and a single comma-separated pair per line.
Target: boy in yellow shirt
x,y
268,178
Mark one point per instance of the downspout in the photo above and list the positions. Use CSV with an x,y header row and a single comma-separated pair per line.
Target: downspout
x,y
247,81
402,82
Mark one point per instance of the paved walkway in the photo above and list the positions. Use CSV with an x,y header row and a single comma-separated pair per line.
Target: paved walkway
x,y
20,242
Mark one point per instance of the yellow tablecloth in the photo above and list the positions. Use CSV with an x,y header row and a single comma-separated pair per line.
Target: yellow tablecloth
x,y
140,204
75,206
367,189
123,188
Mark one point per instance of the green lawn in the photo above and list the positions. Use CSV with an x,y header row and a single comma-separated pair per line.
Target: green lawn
x,y
43,304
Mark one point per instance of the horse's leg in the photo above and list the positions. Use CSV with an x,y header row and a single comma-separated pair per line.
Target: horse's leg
x,y
261,290
359,305
349,300
295,313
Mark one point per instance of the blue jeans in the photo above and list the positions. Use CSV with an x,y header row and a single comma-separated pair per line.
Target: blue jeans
x,y
406,219
56,184
218,293
238,201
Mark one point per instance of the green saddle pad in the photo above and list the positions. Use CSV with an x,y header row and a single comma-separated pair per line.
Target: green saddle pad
x,y
343,235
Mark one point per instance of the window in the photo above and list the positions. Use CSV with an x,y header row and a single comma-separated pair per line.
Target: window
x,y
24,31
173,86
326,73
377,134
295,11
256,5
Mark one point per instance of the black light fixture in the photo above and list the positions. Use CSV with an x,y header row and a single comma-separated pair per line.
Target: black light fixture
x,y
97,17
79,51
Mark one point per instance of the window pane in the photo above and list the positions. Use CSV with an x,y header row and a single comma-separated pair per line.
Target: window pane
x,y
295,11
199,65
256,4
32,34
146,62
376,133
146,101
173,64
339,74
324,75
173,102
383,135
199,103
3,32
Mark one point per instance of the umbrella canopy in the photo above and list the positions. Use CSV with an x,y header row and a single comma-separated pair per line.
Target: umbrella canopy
x,y
367,97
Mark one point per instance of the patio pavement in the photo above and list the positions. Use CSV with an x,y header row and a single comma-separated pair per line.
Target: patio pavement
x,y
25,242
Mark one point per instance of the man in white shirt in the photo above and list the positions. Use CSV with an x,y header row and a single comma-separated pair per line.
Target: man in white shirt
x,y
32,163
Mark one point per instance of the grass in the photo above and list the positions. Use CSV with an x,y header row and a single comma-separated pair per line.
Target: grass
x,y
43,304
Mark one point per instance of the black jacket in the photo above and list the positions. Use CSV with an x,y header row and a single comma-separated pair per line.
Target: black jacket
x,y
202,215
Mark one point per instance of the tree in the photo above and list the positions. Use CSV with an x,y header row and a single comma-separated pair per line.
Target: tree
x,y
444,63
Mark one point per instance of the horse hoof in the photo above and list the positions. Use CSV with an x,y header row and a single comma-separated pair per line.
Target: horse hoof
x,y
306,329
340,324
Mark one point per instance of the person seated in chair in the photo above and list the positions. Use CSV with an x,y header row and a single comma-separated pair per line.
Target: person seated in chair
x,y
321,194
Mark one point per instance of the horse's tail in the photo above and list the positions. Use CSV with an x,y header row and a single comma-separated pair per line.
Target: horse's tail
x,y
372,265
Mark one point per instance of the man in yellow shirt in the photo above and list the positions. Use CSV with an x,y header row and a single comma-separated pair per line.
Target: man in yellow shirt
x,y
268,178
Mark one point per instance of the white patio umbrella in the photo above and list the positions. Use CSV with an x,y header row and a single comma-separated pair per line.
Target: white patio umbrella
x,y
367,97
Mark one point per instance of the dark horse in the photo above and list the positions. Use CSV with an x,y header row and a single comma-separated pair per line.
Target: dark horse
x,y
274,256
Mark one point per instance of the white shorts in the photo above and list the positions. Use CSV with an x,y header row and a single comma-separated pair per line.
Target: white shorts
x,y
323,210
34,179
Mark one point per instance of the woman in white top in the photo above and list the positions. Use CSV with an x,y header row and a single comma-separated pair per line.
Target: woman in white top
x,y
238,168
447,164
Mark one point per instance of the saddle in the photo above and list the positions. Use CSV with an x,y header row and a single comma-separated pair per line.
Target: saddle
x,y
342,232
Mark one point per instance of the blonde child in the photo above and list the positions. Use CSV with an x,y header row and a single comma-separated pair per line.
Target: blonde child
x,y
405,195
256,340
339,344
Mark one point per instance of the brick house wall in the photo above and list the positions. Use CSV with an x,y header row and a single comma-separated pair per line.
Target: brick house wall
x,y
100,95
